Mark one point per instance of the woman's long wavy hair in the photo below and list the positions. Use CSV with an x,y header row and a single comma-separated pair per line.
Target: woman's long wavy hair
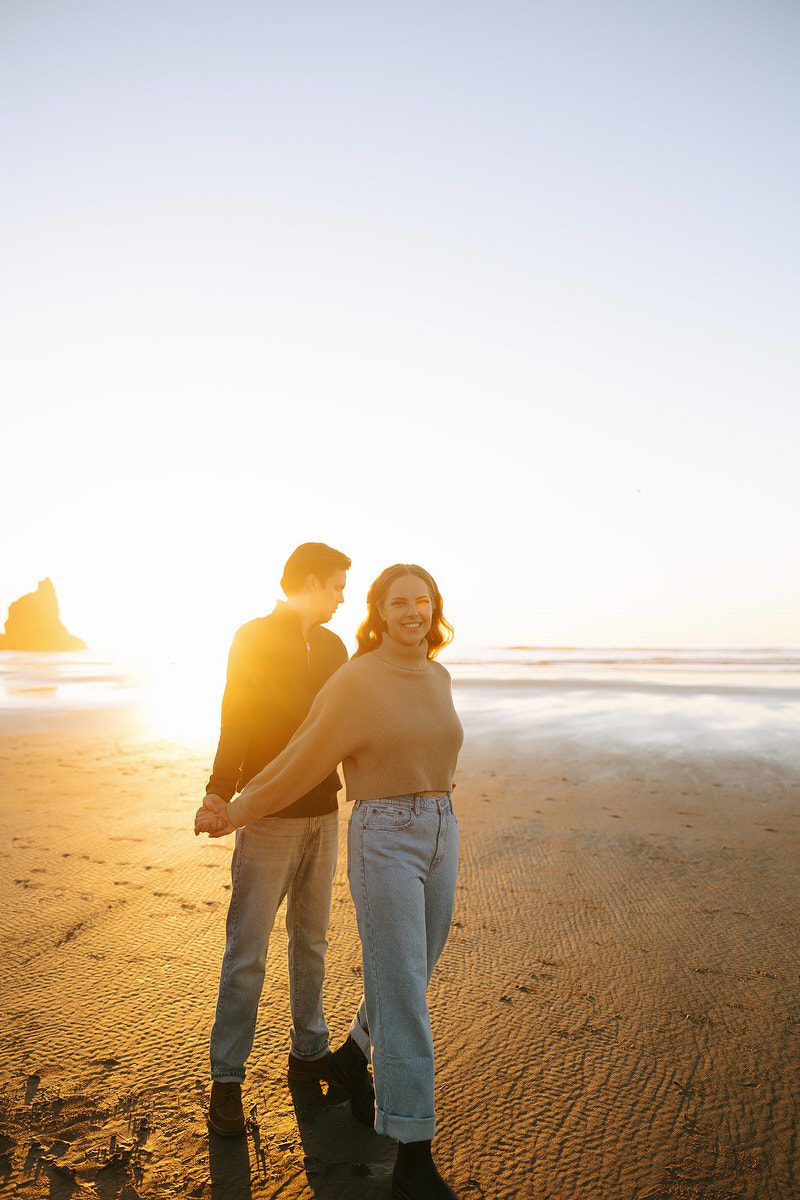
x,y
373,626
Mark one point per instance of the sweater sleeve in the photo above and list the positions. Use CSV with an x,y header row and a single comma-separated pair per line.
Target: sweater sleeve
x,y
326,737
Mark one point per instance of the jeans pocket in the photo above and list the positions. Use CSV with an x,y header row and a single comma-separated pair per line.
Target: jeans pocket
x,y
388,816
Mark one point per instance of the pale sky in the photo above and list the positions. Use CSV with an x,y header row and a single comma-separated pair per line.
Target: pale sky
x,y
508,289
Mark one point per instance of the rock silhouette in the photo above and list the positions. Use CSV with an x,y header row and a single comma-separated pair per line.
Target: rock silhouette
x,y
34,623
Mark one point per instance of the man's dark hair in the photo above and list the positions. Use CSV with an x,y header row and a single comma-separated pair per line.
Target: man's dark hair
x,y
312,558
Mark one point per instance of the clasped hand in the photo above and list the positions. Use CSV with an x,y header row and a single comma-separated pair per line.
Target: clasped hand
x,y
212,817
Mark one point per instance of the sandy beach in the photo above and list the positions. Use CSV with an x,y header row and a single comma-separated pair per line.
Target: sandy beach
x,y
616,1014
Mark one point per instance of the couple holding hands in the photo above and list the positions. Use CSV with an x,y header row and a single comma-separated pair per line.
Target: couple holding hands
x,y
294,708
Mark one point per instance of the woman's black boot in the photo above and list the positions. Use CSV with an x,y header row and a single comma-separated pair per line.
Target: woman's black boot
x,y
415,1175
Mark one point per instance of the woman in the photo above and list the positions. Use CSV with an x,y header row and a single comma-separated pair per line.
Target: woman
x,y
388,717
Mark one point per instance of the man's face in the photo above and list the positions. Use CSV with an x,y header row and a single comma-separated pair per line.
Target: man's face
x,y
328,595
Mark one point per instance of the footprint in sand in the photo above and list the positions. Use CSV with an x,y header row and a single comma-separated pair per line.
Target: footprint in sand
x,y
63,1173
7,1145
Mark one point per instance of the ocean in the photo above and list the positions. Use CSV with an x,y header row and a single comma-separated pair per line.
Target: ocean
x,y
718,697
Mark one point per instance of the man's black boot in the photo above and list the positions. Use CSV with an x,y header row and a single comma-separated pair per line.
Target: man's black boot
x,y
225,1112
301,1070
349,1068
415,1175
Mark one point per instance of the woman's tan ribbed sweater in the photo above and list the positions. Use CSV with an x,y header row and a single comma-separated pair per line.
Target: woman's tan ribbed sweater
x,y
387,717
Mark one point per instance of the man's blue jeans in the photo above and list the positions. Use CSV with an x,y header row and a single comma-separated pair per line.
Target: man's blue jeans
x,y
402,859
276,857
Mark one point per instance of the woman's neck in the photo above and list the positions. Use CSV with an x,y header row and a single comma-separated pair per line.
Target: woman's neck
x,y
399,654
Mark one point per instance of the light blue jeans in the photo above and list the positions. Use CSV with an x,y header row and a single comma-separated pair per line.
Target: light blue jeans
x,y
402,859
276,857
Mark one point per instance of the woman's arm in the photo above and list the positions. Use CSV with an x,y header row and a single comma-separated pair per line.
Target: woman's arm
x,y
329,734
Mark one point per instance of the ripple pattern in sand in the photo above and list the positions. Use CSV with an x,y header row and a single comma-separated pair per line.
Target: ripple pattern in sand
x,y
615,1014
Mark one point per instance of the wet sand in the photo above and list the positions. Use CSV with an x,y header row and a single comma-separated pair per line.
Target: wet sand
x,y
616,1015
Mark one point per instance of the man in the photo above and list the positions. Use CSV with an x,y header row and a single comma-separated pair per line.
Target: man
x,y
276,667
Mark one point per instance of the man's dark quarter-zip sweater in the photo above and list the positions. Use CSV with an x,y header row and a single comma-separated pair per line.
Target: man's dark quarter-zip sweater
x,y
273,677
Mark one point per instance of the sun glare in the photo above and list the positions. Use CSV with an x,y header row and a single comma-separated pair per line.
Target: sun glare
x,y
183,701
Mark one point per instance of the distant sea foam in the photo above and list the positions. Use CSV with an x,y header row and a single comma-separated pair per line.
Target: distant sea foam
x,y
533,661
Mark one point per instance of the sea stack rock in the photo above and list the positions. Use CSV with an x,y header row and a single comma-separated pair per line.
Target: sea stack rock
x,y
34,624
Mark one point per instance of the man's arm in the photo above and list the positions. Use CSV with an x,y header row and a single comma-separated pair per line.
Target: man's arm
x,y
236,723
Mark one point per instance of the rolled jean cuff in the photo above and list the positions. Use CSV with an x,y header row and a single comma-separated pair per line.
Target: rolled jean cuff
x,y
221,1077
405,1129
360,1037
312,1058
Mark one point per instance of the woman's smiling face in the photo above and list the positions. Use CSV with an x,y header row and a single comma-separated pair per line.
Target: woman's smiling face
x,y
407,610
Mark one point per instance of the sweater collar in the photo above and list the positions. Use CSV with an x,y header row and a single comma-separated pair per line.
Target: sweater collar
x,y
410,658
290,620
